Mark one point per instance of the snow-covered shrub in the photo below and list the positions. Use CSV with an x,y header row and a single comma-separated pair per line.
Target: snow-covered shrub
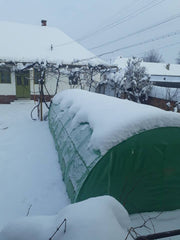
x,y
132,82
135,85
111,83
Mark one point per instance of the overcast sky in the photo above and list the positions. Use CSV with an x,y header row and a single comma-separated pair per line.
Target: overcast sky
x,y
97,22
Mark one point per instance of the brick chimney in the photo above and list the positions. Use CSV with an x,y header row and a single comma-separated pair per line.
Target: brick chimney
x,y
43,22
168,66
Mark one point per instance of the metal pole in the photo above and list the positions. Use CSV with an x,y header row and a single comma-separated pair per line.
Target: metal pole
x,y
159,235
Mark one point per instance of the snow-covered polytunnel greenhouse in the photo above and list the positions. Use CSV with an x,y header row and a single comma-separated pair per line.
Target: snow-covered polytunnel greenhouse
x,y
110,146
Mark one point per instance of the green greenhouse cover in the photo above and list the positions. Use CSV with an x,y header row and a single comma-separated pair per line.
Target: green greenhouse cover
x,y
142,172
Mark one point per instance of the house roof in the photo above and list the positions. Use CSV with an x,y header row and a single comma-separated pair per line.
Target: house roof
x,y
22,42
153,68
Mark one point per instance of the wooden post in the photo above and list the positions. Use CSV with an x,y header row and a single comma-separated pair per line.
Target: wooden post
x,y
41,94
41,108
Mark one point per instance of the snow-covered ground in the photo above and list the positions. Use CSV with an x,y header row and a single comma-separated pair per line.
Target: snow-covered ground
x,y
30,181
101,218
30,175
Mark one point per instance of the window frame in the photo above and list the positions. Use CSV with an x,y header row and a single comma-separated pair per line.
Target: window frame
x,y
5,75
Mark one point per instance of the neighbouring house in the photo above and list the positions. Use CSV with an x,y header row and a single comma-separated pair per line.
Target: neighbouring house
x,y
22,44
165,77
165,92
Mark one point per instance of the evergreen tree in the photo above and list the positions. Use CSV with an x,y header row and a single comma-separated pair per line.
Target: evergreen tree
x,y
135,84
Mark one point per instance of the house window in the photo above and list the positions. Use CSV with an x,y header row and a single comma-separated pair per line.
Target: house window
x,y
5,75
37,76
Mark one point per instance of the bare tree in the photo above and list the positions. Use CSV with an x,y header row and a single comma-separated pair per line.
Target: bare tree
x,y
147,224
152,56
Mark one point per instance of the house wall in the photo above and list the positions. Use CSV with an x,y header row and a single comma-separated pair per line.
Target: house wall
x,y
8,90
34,88
107,90
165,78
169,94
51,80
51,84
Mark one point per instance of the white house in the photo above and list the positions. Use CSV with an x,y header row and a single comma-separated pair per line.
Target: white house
x,y
164,72
166,82
21,44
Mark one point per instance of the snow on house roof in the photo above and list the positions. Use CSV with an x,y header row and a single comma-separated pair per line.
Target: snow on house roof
x,y
153,68
112,120
22,42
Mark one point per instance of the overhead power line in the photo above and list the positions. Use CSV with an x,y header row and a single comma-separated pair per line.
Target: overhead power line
x,y
114,24
122,10
137,32
134,45
130,16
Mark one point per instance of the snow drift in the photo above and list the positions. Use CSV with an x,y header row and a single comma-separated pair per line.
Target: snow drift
x,y
96,218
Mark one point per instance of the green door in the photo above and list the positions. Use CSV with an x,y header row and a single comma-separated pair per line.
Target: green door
x,y
22,84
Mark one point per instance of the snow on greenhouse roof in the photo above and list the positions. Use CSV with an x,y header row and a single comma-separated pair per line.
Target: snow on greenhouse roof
x,y
112,120
22,42
153,68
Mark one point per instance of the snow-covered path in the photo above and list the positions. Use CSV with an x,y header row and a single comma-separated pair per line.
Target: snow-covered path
x,y
30,175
